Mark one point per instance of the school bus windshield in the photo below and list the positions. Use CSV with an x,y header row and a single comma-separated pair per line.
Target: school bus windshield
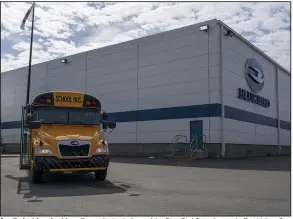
x,y
70,116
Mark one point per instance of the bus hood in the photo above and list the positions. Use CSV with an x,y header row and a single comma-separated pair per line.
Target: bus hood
x,y
65,132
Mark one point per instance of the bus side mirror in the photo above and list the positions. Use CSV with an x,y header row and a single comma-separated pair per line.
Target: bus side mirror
x,y
104,119
104,125
105,116
35,125
111,125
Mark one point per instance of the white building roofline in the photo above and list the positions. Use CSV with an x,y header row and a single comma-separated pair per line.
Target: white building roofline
x,y
219,22
253,47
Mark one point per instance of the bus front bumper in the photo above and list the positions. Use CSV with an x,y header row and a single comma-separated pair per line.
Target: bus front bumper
x,y
53,164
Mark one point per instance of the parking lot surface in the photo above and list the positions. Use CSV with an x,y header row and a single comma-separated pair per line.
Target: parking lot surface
x,y
142,186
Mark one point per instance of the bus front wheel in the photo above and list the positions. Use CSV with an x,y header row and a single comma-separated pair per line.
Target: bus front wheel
x,y
101,175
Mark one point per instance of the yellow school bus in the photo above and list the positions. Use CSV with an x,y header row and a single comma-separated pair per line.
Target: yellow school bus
x,y
65,132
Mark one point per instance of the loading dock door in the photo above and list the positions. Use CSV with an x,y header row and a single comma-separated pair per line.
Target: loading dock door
x,y
196,129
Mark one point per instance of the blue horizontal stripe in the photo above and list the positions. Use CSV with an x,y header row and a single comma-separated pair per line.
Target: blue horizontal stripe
x,y
11,125
285,125
245,116
206,110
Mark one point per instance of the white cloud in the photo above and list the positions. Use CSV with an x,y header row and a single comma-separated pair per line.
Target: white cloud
x,y
63,28
24,46
4,34
18,10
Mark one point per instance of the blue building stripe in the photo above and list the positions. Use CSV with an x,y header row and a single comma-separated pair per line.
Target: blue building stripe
x,y
285,125
206,110
11,125
245,116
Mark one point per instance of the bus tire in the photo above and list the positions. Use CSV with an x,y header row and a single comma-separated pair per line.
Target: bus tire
x,y
36,175
101,175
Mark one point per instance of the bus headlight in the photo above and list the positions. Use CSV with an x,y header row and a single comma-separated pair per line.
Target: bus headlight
x,y
43,151
102,150
103,141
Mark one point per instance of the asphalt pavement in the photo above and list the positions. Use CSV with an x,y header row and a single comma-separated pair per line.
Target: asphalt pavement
x,y
144,187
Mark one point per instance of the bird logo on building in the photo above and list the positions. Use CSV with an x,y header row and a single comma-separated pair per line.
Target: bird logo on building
x,y
254,75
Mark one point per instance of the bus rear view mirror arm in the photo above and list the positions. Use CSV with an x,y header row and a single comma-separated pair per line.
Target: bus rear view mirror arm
x,y
34,124
108,125
106,133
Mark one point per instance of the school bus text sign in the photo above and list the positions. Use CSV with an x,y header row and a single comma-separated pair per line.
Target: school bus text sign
x,y
68,99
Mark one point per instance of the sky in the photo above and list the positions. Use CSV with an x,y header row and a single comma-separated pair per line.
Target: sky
x,y
66,28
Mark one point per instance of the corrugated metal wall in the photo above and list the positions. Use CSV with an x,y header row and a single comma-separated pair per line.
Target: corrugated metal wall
x,y
141,81
179,68
235,55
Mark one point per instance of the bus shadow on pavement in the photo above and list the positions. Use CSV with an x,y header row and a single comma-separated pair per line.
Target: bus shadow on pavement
x,y
282,163
65,185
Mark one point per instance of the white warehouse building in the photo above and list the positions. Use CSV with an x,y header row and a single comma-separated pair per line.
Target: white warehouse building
x,y
188,81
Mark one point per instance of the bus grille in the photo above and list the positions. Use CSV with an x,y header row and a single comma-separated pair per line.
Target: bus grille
x,y
74,151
